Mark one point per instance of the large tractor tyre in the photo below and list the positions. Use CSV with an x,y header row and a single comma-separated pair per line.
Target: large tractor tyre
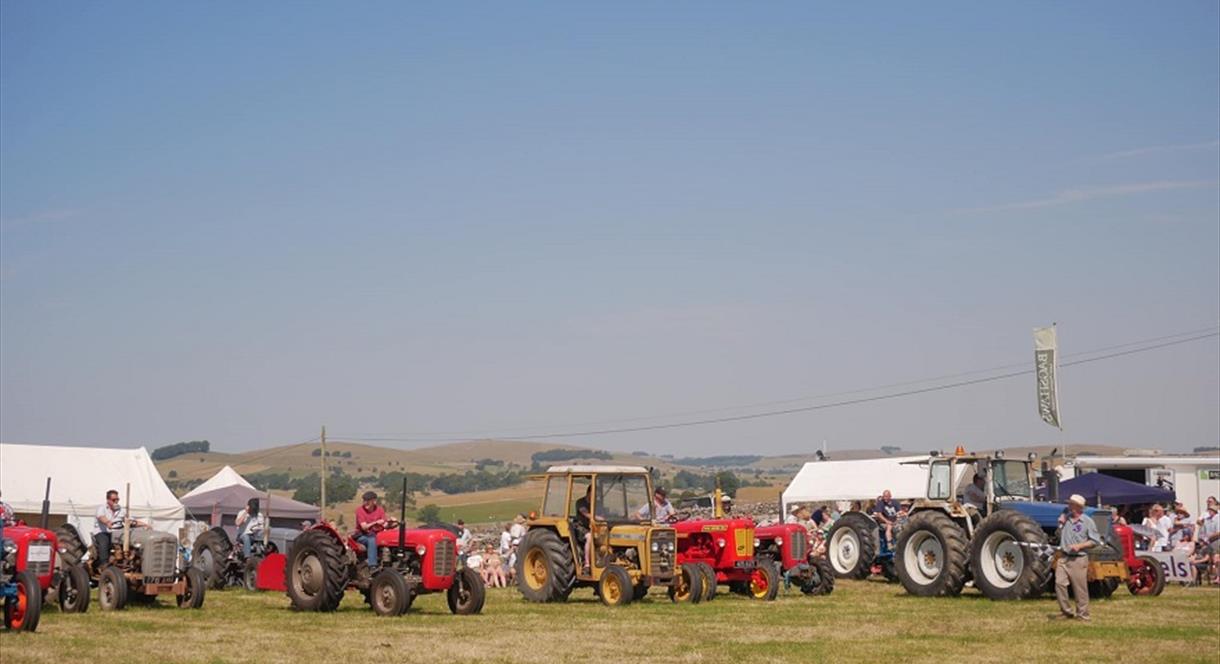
x,y
1147,579
710,584
615,587
73,591
823,581
112,590
23,609
1002,568
1100,589
249,574
211,555
688,585
316,571
853,543
545,568
72,548
764,582
467,594
388,593
196,587
931,556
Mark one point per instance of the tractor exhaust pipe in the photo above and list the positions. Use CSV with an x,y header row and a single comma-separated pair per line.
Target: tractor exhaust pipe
x,y
402,516
46,507
267,518
127,523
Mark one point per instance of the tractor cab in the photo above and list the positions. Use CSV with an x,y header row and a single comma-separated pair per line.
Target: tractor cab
x,y
950,478
595,528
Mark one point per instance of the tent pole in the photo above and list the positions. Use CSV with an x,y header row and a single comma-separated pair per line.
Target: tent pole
x,y
267,516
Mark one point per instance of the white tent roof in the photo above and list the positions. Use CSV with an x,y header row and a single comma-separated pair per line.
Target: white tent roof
x,y
858,479
226,477
80,477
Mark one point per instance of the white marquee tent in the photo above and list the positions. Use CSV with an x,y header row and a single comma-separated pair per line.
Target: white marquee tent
x,y
80,477
857,479
223,479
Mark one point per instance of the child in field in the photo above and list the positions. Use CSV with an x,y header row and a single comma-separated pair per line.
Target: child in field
x,y
493,569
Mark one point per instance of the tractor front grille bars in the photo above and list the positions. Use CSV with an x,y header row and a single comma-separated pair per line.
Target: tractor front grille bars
x,y
444,558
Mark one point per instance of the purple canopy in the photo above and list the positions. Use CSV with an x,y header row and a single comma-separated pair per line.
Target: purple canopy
x,y
1107,490
228,501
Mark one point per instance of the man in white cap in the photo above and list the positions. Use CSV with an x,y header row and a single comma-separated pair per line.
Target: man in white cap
x,y
1077,535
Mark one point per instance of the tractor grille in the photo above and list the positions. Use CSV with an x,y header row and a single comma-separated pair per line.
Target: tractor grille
x,y
798,545
662,562
444,558
160,558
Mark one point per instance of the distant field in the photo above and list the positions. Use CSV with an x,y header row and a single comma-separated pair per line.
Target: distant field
x,y
496,512
860,622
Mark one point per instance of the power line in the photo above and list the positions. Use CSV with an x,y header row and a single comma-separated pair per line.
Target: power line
x,y
804,409
431,435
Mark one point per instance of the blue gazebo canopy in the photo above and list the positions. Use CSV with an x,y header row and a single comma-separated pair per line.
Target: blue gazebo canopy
x,y
1106,490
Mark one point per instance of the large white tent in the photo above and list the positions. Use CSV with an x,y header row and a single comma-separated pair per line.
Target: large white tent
x,y
80,477
223,479
857,479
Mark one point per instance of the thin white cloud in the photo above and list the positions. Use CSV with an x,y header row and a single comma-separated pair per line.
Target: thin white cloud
x,y
1082,194
1139,152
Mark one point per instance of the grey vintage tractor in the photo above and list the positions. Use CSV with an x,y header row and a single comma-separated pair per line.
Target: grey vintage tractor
x,y
141,564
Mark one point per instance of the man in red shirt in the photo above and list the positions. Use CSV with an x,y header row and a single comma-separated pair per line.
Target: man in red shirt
x,y
370,520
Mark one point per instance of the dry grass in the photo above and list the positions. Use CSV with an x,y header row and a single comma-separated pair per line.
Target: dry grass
x,y
861,621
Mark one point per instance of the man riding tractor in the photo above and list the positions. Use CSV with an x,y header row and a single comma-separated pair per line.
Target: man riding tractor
x,y
226,565
596,529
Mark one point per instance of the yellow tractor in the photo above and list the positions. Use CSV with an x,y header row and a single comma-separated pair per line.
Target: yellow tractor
x,y
595,529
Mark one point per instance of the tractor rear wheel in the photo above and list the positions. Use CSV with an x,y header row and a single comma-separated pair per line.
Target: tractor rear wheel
x,y
1148,578
467,594
211,555
196,586
545,568
853,543
709,582
931,555
72,546
388,593
23,609
615,587
764,582
823,582
1003,569
112,590
688,584
73,591
317,572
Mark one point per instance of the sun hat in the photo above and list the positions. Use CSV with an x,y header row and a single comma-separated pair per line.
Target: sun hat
x,y
1077,499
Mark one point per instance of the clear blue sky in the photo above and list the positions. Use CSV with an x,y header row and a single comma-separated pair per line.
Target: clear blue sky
x,y
241,222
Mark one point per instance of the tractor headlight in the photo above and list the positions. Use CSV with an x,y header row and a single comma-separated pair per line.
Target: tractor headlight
x,y
757,543
656,546
421,550
779,541
721,543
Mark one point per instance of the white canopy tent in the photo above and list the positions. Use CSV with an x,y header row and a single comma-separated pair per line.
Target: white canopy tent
x,y
80,477
225,478
857,479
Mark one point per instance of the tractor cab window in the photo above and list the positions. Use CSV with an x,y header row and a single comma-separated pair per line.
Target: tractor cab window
x,y
556,497
580,486
623,498
940,484
1010,479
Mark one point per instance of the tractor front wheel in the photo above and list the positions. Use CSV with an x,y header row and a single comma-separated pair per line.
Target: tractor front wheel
x,y
853,543
764,582
249,577
931,556
73,591
615,586
196,586
545,568
23,609
388,593
317,571
710,583
112,590
823,579
1148,578
467,594
688,584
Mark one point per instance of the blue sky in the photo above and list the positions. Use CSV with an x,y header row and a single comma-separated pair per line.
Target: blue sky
x,y
239,223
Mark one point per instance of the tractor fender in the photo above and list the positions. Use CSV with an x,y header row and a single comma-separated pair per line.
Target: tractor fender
x,y
271,573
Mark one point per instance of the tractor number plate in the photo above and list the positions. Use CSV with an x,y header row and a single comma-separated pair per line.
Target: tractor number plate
x,y
158,580
39,554
744,564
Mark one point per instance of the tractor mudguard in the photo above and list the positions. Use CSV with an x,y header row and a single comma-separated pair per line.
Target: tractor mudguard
x,y
271,573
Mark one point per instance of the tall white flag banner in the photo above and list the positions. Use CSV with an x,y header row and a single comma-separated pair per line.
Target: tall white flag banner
x,y
1046,366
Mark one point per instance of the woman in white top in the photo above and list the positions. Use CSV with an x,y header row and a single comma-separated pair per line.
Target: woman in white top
x,y
250,524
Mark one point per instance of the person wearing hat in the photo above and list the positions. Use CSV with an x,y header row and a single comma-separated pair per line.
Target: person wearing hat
x,y
1209,533
1077,535
726,504
517,530
662,510
370,520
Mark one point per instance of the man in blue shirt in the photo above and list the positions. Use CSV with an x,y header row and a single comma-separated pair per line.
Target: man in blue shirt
x,y
1077,535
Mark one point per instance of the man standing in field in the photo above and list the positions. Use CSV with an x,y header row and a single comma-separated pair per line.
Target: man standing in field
x,y
1076,537
370,520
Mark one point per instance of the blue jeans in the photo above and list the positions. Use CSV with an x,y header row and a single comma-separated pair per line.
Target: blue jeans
x,y
245,544
370,544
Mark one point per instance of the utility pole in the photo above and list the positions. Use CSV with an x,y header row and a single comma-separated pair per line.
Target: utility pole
x,y
323,472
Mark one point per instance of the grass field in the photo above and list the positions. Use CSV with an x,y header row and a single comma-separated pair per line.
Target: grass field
x,y
862,621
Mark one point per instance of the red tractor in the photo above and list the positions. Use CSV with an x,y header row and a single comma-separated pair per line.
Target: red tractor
x,y
788,545
1145,576
323,564
723,549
